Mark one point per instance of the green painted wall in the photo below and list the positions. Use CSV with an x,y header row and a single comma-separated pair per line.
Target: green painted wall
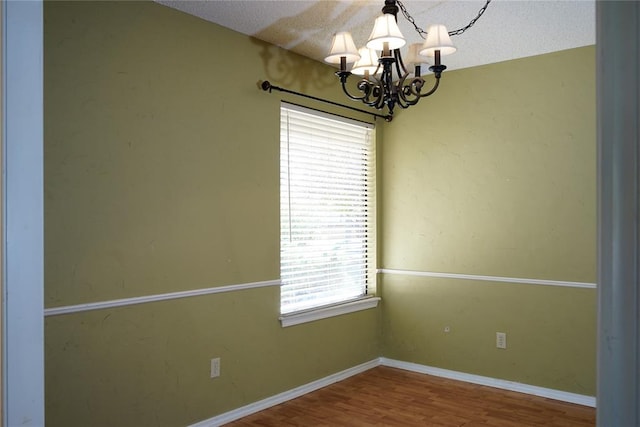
x,y
162,175
495,175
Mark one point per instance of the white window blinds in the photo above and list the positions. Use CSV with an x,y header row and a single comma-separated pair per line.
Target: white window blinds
x,y
327,205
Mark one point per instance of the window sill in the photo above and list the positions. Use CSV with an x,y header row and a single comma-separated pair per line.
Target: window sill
x,y
325,312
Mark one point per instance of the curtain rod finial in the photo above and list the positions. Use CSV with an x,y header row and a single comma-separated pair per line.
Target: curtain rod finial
x,y
266,86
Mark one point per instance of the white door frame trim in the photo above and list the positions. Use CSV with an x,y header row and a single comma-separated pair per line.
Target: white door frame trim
x,y
618,103
22,243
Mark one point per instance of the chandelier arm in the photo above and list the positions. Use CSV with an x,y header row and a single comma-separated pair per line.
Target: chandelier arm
x,y
368,89
371,88
403,102
457,32
400,68
378,98
433,89
405,92
410,93
355,98
344,75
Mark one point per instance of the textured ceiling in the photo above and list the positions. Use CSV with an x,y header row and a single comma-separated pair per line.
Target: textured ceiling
x,y
508,29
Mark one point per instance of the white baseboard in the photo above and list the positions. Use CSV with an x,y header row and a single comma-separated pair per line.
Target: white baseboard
x,y
260,405
564,396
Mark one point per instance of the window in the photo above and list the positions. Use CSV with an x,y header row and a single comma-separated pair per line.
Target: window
x,y
327,206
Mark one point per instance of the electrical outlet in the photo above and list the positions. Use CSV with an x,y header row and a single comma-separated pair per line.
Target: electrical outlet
x,y
215,367
501,340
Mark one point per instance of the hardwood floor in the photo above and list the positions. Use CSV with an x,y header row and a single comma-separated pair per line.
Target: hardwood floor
x,y
392,397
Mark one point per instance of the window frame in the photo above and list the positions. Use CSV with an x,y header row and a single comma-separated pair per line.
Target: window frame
x,y
367,299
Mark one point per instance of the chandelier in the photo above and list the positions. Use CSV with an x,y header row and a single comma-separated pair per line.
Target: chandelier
x,y
386,81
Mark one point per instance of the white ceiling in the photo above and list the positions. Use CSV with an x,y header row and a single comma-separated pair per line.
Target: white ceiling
x,y
509,29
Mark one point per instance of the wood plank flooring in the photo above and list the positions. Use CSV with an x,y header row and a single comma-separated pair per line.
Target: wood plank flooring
x,y
392,397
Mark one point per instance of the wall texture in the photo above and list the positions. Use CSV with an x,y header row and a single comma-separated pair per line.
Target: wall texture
x,y
162,175
495,175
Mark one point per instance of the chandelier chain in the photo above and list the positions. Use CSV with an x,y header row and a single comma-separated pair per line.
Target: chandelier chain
x,y
457,32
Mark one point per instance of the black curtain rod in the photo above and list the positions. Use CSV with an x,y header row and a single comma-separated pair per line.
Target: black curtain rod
x,y
268,87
